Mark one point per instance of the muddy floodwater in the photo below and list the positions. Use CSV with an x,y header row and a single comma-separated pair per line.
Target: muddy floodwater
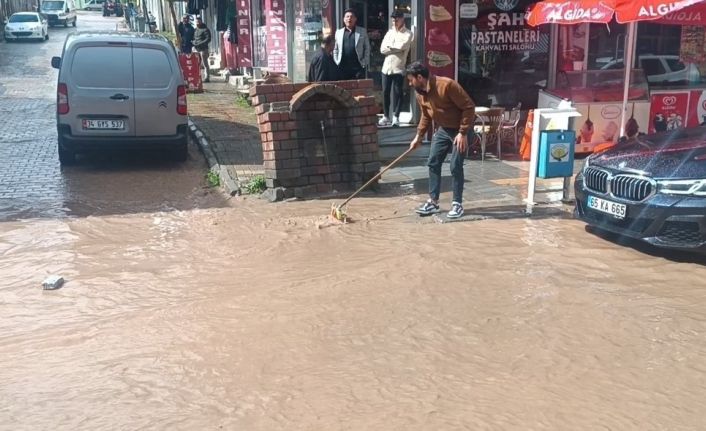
x,y
257,316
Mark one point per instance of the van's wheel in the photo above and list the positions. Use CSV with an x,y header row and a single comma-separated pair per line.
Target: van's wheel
x,y
46,36
181,152
74,23
66,157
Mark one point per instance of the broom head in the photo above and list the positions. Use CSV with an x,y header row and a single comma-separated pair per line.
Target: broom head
x,y
338,213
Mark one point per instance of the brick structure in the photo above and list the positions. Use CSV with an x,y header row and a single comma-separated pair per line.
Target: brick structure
x,y
317,138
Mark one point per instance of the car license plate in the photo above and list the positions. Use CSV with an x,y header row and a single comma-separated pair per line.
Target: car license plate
x,y
615,209
103,124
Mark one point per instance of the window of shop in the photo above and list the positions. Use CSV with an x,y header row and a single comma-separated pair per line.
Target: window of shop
x,y
259,27
313,21
501,60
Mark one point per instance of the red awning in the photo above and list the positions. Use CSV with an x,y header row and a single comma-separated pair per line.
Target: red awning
x,y
687,12
570,12
692,15
646,10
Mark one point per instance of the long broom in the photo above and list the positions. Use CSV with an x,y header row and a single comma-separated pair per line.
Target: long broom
x,y
337,211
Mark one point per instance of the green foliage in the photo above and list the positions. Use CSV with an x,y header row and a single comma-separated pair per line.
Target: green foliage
x,y
213,179
242,101
256,185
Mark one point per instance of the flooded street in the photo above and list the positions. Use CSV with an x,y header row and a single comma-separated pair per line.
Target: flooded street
x,y
265,316
186,310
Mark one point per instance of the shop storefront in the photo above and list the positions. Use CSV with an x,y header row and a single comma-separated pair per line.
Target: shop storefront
x,y
501,60
667,81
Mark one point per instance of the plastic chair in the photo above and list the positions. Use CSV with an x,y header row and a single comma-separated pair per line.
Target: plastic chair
x,y
490,128
510,124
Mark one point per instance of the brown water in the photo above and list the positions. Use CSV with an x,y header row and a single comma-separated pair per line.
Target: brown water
x,y
266,317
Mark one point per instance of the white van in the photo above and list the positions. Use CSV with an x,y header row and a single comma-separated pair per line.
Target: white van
x,y
59,12
120,90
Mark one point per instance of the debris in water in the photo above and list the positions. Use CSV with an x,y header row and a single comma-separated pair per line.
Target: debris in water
x,y
53,282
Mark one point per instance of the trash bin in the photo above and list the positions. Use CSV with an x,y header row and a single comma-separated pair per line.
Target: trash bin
x,y
140,20
556,153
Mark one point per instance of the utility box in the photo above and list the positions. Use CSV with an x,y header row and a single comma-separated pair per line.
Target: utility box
x,y
556,153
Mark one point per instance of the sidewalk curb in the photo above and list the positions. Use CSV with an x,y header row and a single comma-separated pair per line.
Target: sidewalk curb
x,y
232,185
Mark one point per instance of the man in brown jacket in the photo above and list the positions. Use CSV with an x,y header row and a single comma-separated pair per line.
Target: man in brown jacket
x,y
445,102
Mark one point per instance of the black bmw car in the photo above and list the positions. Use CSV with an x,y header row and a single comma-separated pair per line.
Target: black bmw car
x,y
652,188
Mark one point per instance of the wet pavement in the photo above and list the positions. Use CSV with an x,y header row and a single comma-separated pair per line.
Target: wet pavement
x,y
33,184
185,310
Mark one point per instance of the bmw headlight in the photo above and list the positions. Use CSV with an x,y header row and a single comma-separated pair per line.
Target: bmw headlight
x,y
682,187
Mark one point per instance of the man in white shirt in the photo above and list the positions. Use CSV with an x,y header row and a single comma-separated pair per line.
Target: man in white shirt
x,y
395,47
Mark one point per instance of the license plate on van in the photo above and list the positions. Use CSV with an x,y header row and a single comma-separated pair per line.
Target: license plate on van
x,y
613,208
103,124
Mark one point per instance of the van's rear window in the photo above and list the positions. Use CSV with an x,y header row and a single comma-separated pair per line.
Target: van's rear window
x,y
152,68
102,67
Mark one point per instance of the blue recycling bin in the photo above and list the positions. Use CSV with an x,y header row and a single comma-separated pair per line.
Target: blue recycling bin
x,y
556,153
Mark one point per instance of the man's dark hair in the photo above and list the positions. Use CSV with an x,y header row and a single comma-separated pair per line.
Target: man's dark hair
x,y
351,10
417,69
328,40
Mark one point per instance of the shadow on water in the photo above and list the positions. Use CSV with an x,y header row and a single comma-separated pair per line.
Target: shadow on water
x,y
645,248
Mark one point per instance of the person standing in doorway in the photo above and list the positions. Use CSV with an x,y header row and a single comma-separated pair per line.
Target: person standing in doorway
x,y
186,33
202,37
395,47
446,103
352,49
322,67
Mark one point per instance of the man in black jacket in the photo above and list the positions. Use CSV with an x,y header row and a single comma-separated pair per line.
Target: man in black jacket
x,y
186,32
322,67
202,37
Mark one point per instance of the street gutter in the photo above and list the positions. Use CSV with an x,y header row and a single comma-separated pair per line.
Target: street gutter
x,y
231,185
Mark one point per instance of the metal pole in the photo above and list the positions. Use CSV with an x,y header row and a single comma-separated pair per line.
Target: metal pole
x,y
629,55
534,155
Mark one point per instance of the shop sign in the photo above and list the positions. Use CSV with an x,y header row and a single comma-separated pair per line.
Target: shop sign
x,y
244,34
506,32
668,111
276,36
468,11
440,45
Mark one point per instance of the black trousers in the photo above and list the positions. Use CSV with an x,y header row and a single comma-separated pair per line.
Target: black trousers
x,y
392,93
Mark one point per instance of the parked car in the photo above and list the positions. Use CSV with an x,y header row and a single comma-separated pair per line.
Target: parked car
x,y
652,188
95,5
137,101
662,69
26,25
60,12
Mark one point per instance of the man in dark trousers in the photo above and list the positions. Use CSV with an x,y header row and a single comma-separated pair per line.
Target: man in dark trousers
x,y
352,49
186,32
202,37
446,103
322,67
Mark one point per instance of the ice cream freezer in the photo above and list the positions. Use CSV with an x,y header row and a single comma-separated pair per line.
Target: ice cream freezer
x,y
598,96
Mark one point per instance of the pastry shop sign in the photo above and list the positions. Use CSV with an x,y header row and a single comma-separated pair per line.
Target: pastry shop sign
x,y
506,32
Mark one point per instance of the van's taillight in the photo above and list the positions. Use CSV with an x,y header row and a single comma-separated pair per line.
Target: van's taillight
x,y
62,99
181,100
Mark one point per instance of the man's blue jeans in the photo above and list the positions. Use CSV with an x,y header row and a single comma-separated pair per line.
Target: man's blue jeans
x,y
441,144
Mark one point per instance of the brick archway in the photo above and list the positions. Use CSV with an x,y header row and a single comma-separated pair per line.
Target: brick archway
x,y
338,94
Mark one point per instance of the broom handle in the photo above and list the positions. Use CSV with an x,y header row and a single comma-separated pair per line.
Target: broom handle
x,y
393,163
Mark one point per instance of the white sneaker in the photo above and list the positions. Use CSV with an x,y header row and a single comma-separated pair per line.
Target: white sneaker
x,y
384,121
396,122
456,210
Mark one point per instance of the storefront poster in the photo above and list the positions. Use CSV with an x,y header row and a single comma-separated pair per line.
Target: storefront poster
x,y
276,36
697,108
244,34
440,45
668,110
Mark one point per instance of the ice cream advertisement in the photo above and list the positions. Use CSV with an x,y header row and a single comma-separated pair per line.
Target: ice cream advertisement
x,y
440,43
668,111
600,123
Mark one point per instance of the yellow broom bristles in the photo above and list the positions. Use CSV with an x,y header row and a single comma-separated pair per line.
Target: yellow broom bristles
x,y
338,213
